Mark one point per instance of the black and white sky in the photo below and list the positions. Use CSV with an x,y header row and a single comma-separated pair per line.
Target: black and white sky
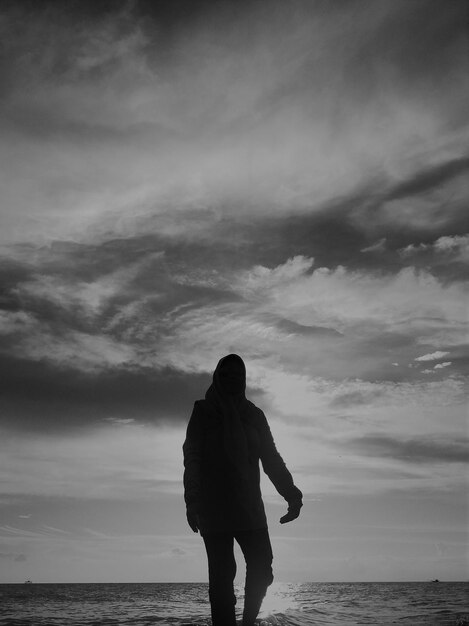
x,y
285,180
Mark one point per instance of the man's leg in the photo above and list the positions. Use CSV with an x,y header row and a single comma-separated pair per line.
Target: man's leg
x,y
257,551
221,573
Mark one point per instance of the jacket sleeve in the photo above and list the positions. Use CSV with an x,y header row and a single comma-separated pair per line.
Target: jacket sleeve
x,y
274,466
192,458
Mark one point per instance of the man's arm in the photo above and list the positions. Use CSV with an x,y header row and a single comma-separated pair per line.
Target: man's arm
x,y
275,468
191,451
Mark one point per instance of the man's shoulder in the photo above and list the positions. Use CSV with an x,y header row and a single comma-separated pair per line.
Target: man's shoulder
x,y
202,404
252,408
254,413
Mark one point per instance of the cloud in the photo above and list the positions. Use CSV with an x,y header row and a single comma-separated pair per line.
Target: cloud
x,y
433,356
54,530
43,397
357,397
135,463
291,327
340,298
119,118
430,179
447,256
455,248
440,209
379,246
153,323
87,307
11,556
178,552
456,244
266,278
413,450
120,421
438,366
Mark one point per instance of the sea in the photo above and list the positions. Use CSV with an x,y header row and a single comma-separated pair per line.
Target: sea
x,y
286,604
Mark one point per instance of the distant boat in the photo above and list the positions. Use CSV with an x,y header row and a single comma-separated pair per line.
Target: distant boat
x,y
28,582
435,580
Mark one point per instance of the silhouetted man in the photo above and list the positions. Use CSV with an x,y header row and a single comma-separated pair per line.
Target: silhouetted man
x,y
226,436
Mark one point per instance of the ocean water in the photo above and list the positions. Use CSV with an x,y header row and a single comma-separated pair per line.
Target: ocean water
x,y
286,604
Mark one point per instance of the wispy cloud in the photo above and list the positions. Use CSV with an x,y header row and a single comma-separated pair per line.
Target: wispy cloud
x,y
105,96
421,450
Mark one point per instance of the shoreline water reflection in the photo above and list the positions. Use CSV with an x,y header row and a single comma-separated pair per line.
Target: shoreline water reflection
x,y
286,604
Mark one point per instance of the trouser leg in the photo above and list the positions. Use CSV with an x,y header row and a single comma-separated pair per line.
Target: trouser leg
x,y
257,551
221,573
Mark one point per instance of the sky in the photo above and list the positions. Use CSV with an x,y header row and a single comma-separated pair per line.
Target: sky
x,y
284,180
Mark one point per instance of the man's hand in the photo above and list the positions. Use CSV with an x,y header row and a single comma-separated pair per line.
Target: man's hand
x,y
293,511
192,518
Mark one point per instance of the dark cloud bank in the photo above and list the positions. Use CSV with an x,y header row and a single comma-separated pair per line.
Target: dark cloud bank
x,y
42,397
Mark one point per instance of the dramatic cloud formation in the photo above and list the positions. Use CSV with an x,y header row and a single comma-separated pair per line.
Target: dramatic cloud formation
x,y
180,180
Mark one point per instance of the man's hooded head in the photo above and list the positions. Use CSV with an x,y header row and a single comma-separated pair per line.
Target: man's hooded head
x,y
229,377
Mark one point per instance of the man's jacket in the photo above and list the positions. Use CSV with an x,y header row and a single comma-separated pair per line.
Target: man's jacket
x,y
211,484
